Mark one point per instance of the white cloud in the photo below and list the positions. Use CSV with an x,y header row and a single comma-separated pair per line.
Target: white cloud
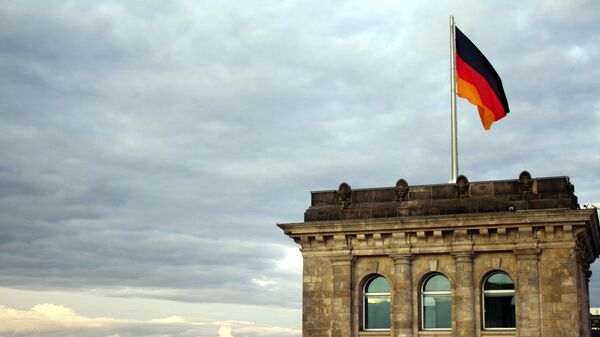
x,y
45,319
268,331
578,55
263,282
292,260
225,331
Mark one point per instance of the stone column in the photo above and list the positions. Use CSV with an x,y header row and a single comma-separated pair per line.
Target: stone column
x,y
341,325
402,296
588,323
464,295
583,293
528,292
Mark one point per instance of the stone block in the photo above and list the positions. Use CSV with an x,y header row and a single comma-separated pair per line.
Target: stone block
x,y
443,192
482,189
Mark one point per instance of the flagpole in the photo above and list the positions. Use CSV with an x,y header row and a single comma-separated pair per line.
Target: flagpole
x,y
453,128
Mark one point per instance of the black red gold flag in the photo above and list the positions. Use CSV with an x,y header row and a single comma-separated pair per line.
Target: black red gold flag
x,y
478,82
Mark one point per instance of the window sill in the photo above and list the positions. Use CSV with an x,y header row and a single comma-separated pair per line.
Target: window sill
x,y
386,333
503,333
433,333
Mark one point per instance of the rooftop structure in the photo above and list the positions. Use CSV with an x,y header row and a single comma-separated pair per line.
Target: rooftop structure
x,y
463,197
466,259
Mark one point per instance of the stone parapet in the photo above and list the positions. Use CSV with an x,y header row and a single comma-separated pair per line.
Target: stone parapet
x,y
462,197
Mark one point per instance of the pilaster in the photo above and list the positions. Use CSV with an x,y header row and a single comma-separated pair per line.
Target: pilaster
x,y
528,292
464,295
402,314
341,325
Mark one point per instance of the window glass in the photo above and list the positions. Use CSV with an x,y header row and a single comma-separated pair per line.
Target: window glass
x,y
499,302
378,312
499,312
499,281
436,303
376,307
437,312
378,285
437,282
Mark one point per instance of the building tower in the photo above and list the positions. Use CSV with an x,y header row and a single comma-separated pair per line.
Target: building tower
x,y
468,259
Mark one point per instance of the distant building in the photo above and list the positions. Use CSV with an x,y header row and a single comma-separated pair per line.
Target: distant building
x,y
482,259
595,320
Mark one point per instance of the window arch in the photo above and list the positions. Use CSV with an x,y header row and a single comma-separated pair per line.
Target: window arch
x,y
436,303
498,302
376,304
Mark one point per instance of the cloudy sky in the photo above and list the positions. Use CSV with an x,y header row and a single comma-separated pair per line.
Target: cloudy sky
x,y
150,147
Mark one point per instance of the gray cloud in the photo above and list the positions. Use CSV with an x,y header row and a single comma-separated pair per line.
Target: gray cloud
x,y
148,150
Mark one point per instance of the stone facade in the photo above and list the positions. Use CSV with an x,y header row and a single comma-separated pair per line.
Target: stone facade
x,y
530,229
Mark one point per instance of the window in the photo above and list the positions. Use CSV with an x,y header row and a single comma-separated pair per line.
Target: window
x,y
498,302
436,301
376,304
595,325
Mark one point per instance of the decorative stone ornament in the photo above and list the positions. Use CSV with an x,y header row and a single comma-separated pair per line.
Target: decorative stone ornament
x,y
575,203
526,182
402,190
462,187
344,195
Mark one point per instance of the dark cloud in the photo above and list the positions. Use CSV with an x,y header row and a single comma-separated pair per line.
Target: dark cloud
x,y
148,150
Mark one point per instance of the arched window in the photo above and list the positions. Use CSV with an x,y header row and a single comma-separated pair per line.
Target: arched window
x,y
376,304
498,302
436,302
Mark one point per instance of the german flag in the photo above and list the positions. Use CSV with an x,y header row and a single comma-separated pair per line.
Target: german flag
x,y
477,81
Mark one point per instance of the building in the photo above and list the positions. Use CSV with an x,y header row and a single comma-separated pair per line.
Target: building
x,y
595,320
485,259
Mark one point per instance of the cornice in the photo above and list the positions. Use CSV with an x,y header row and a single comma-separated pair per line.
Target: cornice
x,y
445,234
441,222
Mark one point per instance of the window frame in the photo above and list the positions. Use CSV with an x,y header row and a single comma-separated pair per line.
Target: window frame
x,y
445,293
504,292
366,295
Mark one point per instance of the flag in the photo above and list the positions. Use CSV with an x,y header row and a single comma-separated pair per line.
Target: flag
x,y
478,82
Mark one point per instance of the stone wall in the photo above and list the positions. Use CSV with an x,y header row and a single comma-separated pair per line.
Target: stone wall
x,y
317,296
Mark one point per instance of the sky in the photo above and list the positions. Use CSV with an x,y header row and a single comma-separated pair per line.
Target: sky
x,y
149,148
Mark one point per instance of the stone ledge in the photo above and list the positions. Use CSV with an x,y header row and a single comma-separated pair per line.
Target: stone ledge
x,y
498,333
546,217
374,333
435,333
543,229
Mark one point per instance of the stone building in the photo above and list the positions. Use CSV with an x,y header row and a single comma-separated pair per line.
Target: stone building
x,y
485,259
